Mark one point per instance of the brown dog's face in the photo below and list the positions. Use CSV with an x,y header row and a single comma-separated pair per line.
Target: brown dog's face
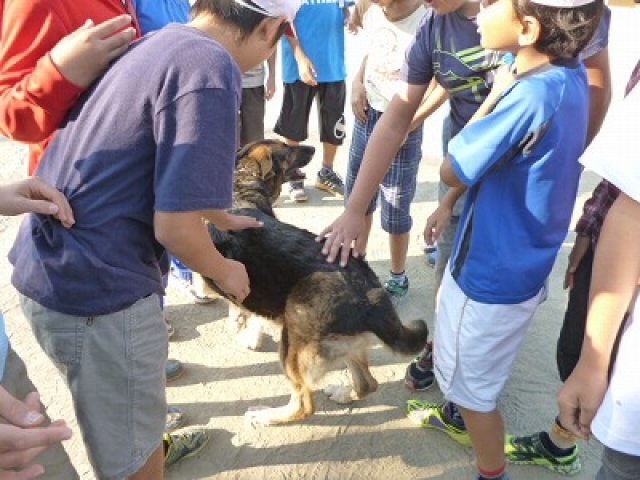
x,y
273,161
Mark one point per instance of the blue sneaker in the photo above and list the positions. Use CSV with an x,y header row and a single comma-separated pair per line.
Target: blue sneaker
x,y
432,258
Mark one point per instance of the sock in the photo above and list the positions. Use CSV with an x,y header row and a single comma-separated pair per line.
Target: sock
x,y
325,170
554,449
453,415
500,474
399,277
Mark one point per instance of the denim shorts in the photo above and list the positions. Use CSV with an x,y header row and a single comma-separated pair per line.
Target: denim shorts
x,y
399,184
114,367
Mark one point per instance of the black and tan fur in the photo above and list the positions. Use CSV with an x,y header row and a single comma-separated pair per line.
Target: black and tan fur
x,y
330,315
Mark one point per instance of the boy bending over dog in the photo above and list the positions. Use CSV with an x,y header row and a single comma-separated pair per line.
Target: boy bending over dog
x,y
146,153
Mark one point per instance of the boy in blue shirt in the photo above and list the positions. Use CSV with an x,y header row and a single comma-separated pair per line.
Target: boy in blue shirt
x,y
313,67
520,163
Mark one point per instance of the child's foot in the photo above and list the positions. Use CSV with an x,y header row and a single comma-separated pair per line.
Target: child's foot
x,y
419,376
530,450
434,415
397,288
330,181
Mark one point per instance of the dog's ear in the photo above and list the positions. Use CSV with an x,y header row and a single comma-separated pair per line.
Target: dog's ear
x,y
261,155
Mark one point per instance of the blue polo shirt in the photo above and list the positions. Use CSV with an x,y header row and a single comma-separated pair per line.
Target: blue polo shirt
x,y
520,163
153,134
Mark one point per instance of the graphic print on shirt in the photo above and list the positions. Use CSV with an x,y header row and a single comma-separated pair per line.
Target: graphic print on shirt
x,y
475,59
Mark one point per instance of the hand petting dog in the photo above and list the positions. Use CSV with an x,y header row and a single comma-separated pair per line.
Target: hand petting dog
x,y
225,221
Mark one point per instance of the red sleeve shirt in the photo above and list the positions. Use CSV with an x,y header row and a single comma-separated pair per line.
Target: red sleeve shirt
x,y
34,96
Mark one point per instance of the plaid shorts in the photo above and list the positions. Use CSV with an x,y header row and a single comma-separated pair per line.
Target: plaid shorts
x,y
399,184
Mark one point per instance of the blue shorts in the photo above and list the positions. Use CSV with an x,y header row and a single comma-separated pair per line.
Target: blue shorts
x,y
399,184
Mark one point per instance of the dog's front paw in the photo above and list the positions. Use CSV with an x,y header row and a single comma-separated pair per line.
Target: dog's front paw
x,y
340,393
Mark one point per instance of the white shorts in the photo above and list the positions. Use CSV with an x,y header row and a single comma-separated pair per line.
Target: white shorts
x,y
475,345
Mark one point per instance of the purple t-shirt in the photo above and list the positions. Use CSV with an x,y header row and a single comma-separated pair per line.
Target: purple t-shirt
x,y
448,47
155,133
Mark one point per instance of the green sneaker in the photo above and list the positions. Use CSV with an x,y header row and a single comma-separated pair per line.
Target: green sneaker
x,y
183,444
431,415
397,289
530,451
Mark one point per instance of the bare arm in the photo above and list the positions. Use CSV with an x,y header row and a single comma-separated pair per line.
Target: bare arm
x,y
270,89
616,270
185,235
433,99
599,76
359,103
387,137
42,73
306,70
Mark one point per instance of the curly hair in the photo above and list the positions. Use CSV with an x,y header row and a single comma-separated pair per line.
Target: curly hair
x,y
565,32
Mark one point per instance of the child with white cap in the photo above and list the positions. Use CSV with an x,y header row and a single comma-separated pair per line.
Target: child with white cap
x,y
519,162
140,173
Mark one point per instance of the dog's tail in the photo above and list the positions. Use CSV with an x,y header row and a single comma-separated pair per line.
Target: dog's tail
x,y
405,339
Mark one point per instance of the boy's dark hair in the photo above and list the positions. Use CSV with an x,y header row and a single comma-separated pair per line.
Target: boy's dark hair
x,y
233,13
565,31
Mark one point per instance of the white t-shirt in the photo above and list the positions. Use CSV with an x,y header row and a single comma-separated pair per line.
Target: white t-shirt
x,y
387,42
617,423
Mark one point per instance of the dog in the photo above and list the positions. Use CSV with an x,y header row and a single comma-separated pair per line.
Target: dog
x,y
330,316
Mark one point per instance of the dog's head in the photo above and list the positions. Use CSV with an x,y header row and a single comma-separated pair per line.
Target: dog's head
x,y
273,161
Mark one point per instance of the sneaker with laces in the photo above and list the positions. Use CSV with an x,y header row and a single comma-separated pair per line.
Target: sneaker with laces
x,y
432,415
297,192
397,289
330,181
529,450
183,444
175,419
419,375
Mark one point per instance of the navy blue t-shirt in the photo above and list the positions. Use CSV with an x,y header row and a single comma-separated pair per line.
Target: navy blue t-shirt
x,y
155,133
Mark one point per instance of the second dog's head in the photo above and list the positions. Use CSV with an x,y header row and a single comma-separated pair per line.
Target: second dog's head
x,y
273,161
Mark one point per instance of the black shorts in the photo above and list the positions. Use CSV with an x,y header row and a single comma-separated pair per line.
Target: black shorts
x,y
296,106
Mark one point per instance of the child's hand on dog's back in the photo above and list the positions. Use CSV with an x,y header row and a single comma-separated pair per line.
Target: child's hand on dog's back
x,y
233,280
225,221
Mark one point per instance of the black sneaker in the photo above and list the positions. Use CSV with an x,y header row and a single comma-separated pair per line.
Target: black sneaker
x,y
330,181
419,376
530,450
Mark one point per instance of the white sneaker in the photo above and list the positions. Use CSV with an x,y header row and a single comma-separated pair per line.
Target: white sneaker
x,y
297,192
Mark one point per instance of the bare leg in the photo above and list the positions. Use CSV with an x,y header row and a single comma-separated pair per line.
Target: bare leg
x,y
153,469
328,154
398,246
487,437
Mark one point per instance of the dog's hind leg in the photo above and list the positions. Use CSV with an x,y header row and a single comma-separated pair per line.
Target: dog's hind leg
x,y
363,381
301,402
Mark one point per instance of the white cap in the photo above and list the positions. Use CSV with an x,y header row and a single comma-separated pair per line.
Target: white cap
x,y
275,8
563,3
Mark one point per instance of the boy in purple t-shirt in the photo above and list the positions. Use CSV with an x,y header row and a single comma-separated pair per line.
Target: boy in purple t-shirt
x,y
140,174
